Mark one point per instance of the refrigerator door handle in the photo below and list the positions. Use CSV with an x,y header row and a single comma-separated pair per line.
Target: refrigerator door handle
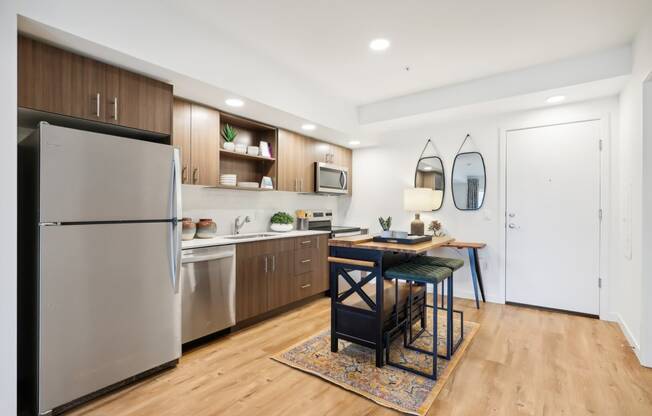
x,y
175,208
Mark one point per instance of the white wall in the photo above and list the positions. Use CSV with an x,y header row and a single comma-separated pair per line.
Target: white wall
x,y
8,207
628,290
381,173
224,206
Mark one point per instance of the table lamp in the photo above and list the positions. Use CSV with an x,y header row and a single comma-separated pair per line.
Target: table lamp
x,y
418,200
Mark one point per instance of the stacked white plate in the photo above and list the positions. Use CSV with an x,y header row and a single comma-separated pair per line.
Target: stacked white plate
x,y
228,179
248,184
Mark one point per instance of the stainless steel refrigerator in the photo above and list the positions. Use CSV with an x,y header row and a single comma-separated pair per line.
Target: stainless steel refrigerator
x,y
106,249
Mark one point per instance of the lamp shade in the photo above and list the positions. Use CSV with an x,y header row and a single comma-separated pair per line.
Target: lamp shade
x,y
421,199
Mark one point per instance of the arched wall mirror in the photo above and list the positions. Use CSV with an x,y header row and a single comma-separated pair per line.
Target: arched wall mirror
x,y
469,181
429,173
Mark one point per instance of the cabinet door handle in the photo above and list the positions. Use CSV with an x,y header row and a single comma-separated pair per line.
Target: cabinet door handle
x,y
115,108
306,261
301,185
307,285
265,264
184,174
97,104
306,242
195,175
273,263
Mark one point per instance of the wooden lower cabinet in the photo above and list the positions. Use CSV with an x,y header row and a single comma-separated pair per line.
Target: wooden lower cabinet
x,y
274,273
251,283
279,291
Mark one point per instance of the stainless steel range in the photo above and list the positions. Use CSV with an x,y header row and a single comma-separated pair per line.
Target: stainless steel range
x,y
322,220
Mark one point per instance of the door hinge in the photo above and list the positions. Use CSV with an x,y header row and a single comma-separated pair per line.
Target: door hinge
x,y
600,214
600,144
599,282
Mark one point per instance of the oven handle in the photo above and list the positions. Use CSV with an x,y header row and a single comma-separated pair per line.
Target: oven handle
x,y
208,257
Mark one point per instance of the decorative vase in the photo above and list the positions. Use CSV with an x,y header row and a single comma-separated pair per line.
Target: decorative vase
x,y
229,146
282,227
206,228
188,229
386,234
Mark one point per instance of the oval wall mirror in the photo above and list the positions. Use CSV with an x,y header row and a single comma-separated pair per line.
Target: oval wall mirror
x,y
430,174
469,181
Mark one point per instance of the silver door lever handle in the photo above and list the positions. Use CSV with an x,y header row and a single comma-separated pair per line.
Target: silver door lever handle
x,y
512,225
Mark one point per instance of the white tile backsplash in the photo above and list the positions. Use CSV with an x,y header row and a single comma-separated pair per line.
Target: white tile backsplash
x,y
223,206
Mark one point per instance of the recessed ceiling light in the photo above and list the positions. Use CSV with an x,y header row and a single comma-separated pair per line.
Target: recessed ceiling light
x,y
379,44
234,102
555,99
354,142
308,127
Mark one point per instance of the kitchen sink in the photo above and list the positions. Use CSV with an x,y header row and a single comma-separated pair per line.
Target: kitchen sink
x,y
245,236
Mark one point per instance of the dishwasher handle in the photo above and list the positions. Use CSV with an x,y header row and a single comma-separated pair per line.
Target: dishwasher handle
x,y
206,257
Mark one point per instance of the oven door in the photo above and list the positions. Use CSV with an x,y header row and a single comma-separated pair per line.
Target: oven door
x,y
331,179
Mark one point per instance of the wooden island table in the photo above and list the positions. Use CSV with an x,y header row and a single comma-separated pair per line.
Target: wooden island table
x,y
364,325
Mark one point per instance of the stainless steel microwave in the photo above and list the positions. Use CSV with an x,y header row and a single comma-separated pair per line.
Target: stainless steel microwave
x,y
331,179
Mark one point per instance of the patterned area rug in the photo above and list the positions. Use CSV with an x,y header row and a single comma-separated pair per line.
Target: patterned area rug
x,y
354,368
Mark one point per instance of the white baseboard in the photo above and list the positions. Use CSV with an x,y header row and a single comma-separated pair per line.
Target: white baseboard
x,y
629,336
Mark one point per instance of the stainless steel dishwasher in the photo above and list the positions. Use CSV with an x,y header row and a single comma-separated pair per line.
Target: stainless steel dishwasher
x,y
207,291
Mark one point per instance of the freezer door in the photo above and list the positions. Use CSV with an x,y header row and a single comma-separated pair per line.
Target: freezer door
x,y
108,308
88,176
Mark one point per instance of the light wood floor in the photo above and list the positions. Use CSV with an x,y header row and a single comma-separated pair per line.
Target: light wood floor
x,y
521,362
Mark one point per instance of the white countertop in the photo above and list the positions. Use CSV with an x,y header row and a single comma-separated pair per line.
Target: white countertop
x,y
222,240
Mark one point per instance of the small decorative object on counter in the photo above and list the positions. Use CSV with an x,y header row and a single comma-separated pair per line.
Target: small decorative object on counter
x,y
229,133
436,228
264,149
188,229
252,150
386,225
266,183
302,220
206,228
282,221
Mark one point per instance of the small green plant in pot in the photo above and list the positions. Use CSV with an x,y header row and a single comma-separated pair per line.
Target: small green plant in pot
x,y
282,221
229,133
386,224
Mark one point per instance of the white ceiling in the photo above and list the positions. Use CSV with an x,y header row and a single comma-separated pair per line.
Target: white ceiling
x,y
443,42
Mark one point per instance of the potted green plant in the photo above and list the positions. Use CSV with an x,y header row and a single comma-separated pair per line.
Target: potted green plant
x,y
282,221
229,133
386,224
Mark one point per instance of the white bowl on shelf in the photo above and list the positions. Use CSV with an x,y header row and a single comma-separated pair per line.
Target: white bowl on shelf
x,y
252,150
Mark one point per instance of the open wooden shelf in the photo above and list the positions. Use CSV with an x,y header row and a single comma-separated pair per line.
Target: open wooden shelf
x,y
245,155
246,167
242,188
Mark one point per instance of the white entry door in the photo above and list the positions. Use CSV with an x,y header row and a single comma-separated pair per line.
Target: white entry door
x,y
553,222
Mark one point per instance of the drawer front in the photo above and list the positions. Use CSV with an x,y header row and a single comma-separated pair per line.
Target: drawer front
x,y
305,285
306,242
305,260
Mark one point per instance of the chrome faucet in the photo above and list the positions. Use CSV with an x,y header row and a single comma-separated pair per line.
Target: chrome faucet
x,y
239,224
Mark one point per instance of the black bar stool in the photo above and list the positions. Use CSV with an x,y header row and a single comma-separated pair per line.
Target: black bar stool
x,y
425,274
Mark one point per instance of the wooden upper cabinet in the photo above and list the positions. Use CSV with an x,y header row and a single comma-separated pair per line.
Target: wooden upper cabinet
x,y
290,150
321,151
295,162
57,81
181,130
205,145
342,156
